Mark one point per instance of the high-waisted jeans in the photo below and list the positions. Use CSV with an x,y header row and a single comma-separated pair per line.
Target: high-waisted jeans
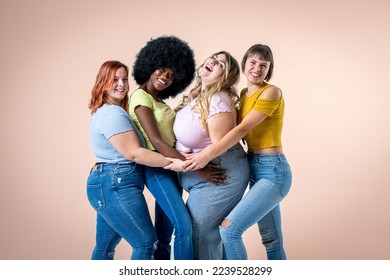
x,y
115,191
209,204
165,187
270,182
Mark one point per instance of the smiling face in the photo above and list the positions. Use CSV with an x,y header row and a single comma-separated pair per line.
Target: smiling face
x,y
119,88
159,80
256,69
213,68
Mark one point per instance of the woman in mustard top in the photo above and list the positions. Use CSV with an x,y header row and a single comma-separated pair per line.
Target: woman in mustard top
x,y
261,122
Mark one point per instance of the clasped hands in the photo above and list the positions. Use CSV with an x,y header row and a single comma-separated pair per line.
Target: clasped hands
x,y
194,161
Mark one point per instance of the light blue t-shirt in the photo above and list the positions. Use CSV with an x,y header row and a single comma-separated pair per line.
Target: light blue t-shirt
x,y
107,121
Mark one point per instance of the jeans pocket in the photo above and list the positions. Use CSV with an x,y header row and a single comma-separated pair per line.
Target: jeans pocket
x,y
96,196
287,180
127,169
243,163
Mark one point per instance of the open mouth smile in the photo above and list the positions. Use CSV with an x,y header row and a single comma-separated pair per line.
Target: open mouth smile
x,y
161,81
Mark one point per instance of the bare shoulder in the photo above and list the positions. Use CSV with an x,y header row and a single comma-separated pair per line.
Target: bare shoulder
x,y
273,92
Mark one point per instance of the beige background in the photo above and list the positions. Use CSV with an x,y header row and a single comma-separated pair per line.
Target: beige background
x,y
332,60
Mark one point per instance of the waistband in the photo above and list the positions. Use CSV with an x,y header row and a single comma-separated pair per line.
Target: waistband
x,y
113,163
270,156
101,165
236,146
236,149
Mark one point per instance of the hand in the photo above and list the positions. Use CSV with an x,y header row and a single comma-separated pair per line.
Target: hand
x,y
212,173
196,161
176,164
186,153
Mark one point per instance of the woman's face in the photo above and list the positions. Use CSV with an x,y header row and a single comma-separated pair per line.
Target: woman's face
x,y
161,78
213,68
256,69
119,88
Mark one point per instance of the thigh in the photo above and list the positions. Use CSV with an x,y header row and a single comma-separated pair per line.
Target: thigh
x,y
209,204
165,187
132,220
270,224
125,208
261,198
106,236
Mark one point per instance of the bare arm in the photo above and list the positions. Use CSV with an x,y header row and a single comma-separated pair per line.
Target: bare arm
x,y
149,124
230,139
127,144
251,120
146,118
219,125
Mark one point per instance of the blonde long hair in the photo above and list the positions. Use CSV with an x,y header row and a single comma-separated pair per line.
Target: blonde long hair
x,y
227,83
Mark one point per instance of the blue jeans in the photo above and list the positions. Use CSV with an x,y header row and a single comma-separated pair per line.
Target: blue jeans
x,y
209,204
115,191
164,230
270,183
165,187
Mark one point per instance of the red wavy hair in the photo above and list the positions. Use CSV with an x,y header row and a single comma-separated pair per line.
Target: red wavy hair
x,y
104,81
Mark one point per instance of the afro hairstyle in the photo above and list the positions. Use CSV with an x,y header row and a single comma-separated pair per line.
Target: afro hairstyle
x,y
166,52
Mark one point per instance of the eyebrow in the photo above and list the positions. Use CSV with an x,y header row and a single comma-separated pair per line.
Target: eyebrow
x,y
220,61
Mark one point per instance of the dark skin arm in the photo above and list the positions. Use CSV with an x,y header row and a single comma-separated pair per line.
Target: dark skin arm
x,y
210,172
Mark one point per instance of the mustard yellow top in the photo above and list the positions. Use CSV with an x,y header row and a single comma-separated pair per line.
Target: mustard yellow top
x,y
269,132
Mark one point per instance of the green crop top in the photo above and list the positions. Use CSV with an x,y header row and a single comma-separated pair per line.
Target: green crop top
x,y
163,113
269,132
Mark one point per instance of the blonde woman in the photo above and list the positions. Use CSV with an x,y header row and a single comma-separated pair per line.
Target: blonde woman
x,y
203,117
261,123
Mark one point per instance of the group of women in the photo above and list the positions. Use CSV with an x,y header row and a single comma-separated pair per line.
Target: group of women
x,y
141,141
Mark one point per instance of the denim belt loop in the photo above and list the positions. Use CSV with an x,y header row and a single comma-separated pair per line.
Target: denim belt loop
x,y
282,157
98,166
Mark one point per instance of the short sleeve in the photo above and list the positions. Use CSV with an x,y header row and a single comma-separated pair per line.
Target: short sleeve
x,y
266,106
115,121
140,97
220,103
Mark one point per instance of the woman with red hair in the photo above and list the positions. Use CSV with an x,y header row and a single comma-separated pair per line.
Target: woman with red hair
x,y
116,182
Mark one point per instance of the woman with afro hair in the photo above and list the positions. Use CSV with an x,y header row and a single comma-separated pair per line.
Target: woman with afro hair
x,y
164,68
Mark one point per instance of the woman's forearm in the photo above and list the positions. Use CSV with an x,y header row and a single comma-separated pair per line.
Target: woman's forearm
x,y
147,157
229,140
199,160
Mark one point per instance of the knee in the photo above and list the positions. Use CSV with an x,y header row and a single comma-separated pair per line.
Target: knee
x,y
225,223
224,229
